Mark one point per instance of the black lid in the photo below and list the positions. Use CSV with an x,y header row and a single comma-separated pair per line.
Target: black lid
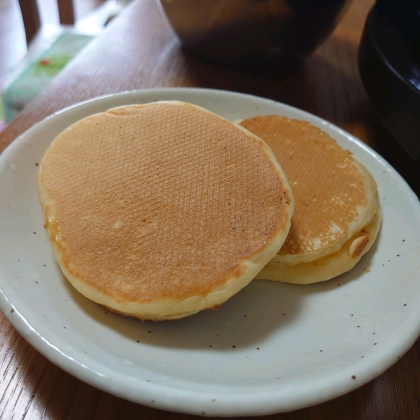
x,y
389,65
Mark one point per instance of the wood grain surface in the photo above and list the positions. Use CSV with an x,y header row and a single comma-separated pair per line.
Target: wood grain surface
x,y
139,50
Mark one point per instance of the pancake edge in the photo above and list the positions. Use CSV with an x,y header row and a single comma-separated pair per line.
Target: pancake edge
x,y
326,267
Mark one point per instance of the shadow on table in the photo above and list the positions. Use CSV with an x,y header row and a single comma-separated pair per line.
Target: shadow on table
x,y
320,85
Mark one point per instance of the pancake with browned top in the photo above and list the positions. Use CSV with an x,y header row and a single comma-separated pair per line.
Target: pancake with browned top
x,y
337,214
154,211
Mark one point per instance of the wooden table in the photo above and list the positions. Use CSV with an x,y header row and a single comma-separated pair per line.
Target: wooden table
x,y
139,50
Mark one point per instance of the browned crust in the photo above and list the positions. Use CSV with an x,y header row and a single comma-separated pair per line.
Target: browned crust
x,y
359,244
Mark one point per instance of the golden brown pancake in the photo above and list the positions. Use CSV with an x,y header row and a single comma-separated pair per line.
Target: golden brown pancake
x,y
155,210
335,201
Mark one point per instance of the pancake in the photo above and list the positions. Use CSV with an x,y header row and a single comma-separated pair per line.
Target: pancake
x,y
154,211
337,214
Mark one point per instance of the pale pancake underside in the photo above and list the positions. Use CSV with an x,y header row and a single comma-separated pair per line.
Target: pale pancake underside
x,y
335,196
155,210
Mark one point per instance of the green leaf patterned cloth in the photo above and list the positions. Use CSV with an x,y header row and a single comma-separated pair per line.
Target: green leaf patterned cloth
x,y
38,74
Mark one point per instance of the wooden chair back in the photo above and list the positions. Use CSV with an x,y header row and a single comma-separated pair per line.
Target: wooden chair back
x,y
31,17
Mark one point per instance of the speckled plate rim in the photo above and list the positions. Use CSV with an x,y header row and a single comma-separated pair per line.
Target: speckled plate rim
x,y
231,402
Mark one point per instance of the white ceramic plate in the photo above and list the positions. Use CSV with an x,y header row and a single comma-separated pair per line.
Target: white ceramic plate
x,y
272,347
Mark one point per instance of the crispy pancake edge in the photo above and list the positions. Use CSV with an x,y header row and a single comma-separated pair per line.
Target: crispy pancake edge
x,y
325,268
